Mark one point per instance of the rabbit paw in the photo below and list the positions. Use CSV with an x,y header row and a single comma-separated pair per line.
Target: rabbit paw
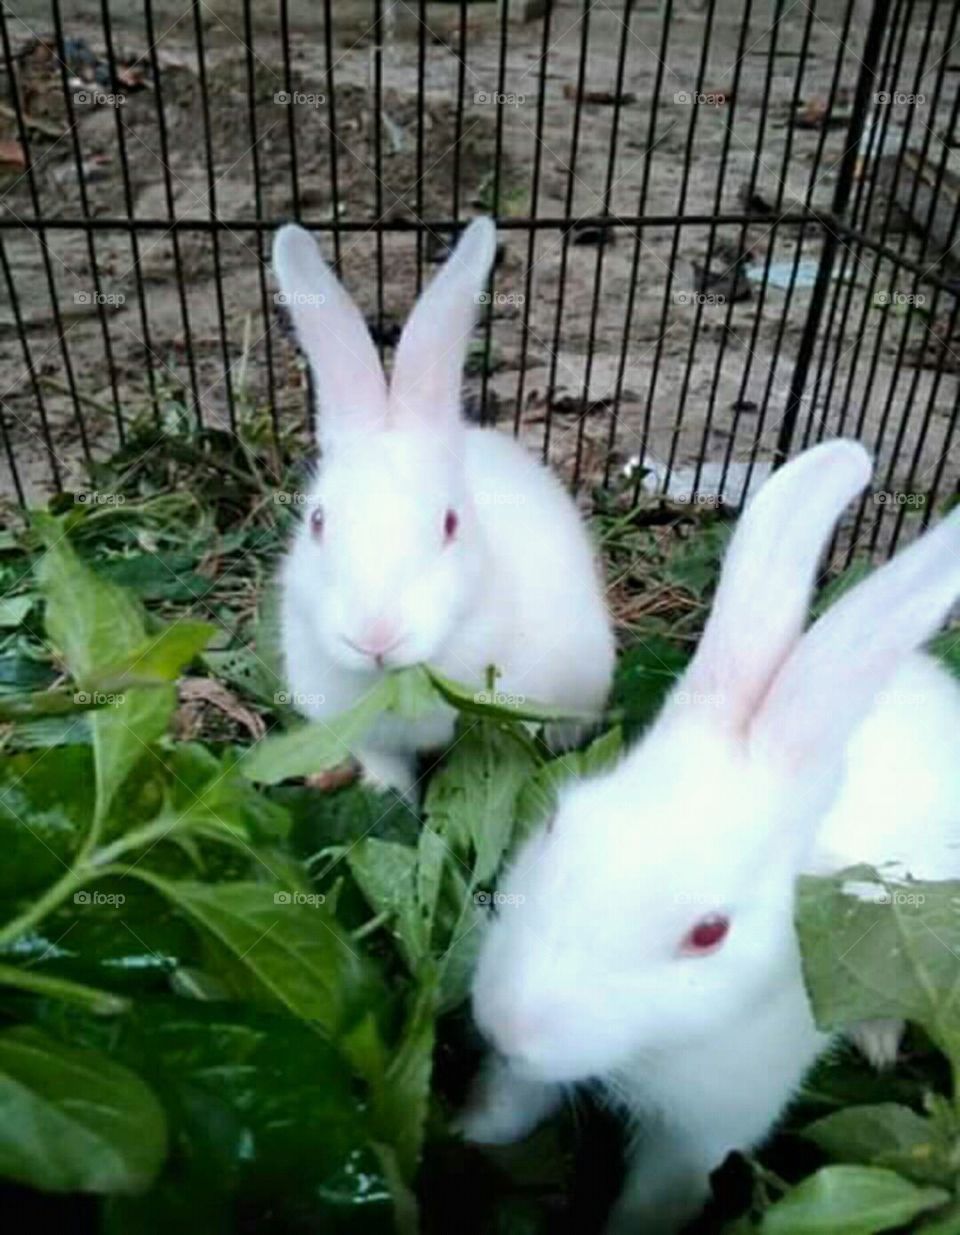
x,y
387,772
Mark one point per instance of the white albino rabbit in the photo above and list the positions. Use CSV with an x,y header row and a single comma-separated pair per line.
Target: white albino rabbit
x,y
425,540
653,948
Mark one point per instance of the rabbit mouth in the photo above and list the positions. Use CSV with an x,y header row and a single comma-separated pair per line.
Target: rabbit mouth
x,y
377,656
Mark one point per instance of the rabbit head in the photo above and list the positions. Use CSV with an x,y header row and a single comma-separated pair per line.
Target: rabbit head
x,y
387,558
655,908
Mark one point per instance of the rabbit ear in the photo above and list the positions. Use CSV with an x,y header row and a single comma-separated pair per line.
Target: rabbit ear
x,y
428,369
832,679
767,579
351,390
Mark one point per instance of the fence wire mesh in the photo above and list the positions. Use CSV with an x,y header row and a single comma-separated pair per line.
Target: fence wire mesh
x,y
728,229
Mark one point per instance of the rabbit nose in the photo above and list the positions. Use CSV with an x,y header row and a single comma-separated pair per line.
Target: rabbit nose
x,y
376,639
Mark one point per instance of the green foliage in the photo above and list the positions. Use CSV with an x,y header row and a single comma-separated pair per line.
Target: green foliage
x,y
233,1002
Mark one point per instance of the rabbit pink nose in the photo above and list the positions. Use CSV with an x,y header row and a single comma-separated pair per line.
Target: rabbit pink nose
x,y
377,638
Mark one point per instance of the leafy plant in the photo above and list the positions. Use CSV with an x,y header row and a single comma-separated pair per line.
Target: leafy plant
x,y
231,1001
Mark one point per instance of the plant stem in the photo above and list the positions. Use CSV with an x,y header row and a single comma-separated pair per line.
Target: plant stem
x,y
91,863
54,896
104,1003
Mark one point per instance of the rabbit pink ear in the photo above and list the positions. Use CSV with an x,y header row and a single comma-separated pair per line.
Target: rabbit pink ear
x,y
428,368
833,678
351,389
767,580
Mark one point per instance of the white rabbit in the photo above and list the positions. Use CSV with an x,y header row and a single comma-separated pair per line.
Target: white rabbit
x,y
425,540
650,944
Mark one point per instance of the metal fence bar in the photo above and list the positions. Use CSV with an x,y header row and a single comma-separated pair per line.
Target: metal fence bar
x,y
841,197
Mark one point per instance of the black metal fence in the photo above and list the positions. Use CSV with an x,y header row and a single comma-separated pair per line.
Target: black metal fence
x,y
728,229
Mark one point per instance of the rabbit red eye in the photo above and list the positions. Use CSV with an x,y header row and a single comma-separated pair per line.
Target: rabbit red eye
x,y
316,522
706,936
450,524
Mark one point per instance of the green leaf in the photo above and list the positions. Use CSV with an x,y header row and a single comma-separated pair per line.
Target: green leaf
x,y
887,1135
91,621
495,704
73,1120
162,656
401,1101
294,948
45,807
644,675
471,801
96,625
537,799
270,1125
386,873
318,746
13,609
877,948
849,1200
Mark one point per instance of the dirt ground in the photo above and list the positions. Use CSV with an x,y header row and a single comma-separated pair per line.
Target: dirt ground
x,y
699,370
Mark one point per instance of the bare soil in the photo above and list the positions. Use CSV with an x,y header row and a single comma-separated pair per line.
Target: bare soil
x,y
701,373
